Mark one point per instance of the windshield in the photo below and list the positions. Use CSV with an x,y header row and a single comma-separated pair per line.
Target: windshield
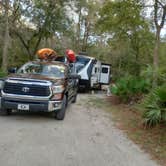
x,y
42,69
81,63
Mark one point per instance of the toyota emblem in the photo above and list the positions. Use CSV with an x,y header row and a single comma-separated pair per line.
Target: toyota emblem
x,y
25,89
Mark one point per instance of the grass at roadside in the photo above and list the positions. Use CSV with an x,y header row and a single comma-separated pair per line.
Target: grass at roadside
x,y
128,119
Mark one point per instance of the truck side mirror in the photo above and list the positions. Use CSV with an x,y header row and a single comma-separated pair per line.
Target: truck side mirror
x,y
71,65
12,70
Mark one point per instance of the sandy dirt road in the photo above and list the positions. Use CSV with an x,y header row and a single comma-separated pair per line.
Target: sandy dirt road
x,y
86,137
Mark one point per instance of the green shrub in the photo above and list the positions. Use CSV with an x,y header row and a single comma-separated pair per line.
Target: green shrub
x,y
148,75
130,86
162,75
2,74
155,106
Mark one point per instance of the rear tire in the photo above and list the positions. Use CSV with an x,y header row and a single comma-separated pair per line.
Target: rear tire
x,y
60,115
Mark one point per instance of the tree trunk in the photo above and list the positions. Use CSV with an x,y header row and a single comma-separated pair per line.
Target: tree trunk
x,y
86,35
157,6
156,57
78,33
6,39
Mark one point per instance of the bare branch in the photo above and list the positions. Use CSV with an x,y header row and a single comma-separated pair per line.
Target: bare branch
x,y
15,14
156,7
163,18
160,3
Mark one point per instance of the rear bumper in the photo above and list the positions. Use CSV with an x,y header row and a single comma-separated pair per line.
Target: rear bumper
x,y
34,105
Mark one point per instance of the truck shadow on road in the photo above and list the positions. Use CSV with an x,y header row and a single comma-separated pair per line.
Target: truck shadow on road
x,y
31,116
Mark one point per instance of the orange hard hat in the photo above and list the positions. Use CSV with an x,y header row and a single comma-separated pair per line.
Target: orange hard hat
x,y
46,53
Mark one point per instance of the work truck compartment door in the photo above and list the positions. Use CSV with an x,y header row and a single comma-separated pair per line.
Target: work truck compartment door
x,y
105,74
95,76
